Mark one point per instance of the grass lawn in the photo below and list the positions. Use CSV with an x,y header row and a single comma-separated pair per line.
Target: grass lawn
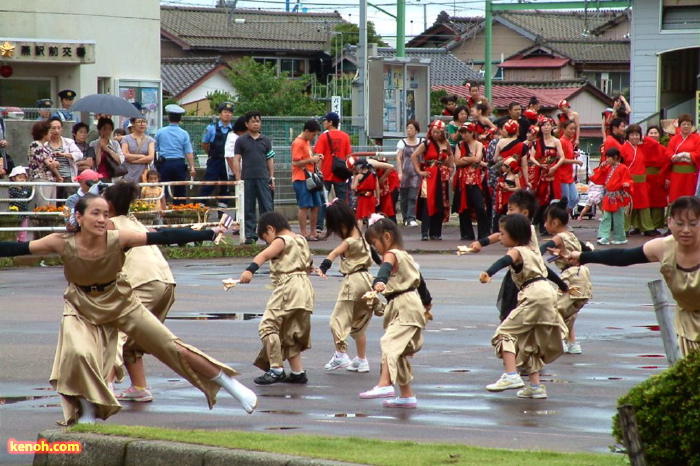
x,y
361,450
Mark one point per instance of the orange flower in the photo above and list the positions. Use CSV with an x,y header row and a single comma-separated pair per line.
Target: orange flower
x,y
48,208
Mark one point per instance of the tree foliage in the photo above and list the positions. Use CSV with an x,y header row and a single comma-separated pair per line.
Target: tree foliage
x,y
351,36
261,89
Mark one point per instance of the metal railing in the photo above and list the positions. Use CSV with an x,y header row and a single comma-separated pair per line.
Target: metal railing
x,y
237,197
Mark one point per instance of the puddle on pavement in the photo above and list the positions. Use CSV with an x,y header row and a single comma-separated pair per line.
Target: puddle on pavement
x,y
8,400
613,328
650,367
607,378
281,411
459,370
281,428
542,412
57,405
556,381
351,415
292,396
45,389
217,316
652,356
653,328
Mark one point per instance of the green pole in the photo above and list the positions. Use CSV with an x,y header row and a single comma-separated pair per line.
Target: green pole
x,y
488,30
400,28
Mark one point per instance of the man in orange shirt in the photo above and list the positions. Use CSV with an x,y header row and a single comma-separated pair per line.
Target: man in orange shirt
x,y
332,143
303,159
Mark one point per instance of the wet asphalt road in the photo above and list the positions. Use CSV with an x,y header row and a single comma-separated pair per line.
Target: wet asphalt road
x,y
457,361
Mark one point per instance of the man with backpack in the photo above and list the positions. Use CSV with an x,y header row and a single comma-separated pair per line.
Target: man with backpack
x,y
335,146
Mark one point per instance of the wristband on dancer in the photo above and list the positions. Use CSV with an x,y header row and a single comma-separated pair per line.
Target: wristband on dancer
x,y
252,268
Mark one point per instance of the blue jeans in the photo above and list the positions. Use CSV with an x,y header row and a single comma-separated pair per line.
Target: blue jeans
x,y
256,189
408,203
340,191
569,190
216,171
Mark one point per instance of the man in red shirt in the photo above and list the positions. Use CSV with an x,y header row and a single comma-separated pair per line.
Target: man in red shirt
x,y
303,159
333,143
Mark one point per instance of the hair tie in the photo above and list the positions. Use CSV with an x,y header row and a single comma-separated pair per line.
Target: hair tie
x,y
374,218
328,204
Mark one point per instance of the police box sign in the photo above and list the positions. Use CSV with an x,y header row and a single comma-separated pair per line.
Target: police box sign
x,y
47,52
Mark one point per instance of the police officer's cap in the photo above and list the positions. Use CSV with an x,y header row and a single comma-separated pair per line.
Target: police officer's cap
x,y
44,103
174,108
224,106
67,94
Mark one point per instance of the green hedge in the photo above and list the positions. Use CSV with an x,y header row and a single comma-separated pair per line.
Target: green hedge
x,y
667,409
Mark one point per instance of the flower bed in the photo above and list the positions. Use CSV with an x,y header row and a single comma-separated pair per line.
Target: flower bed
x,y
185,214
48,220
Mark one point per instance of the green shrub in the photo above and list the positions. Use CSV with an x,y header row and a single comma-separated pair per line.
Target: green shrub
x,y
667,409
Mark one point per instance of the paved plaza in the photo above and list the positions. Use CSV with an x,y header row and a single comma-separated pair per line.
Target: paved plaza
x,y
616,330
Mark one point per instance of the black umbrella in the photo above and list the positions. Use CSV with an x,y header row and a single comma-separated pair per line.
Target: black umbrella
x,y
107,104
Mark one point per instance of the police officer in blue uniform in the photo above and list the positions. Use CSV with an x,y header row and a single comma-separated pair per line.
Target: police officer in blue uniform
x,y
66,98
214,144
44,107
175,153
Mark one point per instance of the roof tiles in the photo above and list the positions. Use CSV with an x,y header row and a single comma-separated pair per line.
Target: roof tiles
x,y
212,28
178,74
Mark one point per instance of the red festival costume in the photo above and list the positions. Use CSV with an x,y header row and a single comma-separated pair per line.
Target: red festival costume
x,y
366,196
437,192
386,191
613,177
548,187
683,175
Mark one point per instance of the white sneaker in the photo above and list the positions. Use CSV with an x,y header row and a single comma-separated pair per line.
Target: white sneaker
x,y
533,392
565,345
378,392
624,241
358,365
412,223
574,348
506,382
337,363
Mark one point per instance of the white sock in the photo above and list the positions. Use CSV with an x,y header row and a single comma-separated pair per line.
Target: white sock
x,y
87,412
245,396
277,370
339,355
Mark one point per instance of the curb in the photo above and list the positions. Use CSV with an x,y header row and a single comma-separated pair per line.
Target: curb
x,y
108,450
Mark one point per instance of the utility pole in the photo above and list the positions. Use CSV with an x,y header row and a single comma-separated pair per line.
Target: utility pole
x,y
362,78
488,46
400,28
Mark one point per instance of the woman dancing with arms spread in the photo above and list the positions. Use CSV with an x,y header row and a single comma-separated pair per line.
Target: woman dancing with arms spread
x,y
99,301
679,255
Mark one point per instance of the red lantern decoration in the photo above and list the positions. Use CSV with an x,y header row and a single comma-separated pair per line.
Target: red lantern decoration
x,y
6,71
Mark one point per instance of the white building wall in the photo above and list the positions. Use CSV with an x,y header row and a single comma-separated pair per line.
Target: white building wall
x,y
216,82
126,35
589,108
648,42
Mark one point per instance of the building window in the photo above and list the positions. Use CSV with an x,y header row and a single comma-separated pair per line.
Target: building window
x,y
294,66
267,61
609,82
680,18
24,92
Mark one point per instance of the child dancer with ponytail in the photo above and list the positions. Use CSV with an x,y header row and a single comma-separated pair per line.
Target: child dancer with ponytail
x,y
408,303
352,312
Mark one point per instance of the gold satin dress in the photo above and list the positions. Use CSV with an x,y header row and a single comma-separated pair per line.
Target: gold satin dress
x,y
404,318
285,329
534,329
87,339
684,285
578,278
352,313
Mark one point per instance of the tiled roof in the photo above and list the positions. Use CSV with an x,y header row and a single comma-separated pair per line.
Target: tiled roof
x,y
178,74
208,28
587,51
445,68
549,94
553,25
